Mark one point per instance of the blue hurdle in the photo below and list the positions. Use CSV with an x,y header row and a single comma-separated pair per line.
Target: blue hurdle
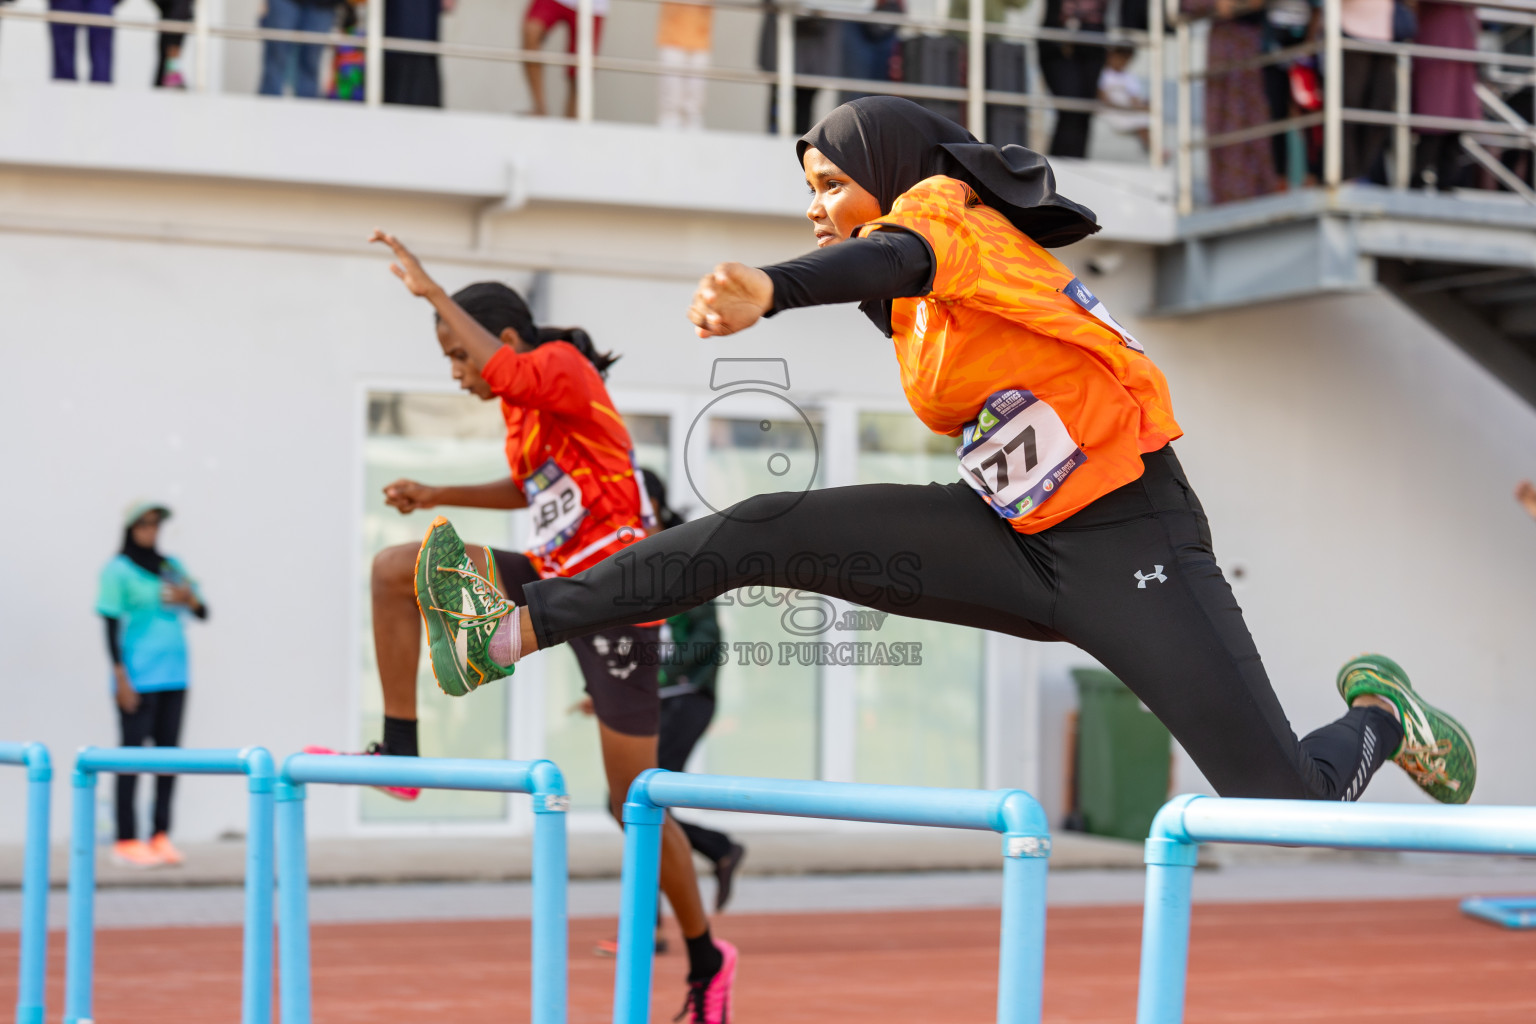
x,y
1187,821
254,763
1012,812
1506,911
30,998
539,778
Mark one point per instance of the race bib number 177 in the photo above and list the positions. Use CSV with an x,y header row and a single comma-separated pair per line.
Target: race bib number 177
x,y
1017,452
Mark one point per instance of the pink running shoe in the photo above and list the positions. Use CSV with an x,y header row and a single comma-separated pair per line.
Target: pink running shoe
x,y
406,793
709,1002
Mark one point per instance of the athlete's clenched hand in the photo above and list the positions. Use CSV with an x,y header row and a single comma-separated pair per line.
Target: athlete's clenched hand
x,y
730,298
408,496
406,266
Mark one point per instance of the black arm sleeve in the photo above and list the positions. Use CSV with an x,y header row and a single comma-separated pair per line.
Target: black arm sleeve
x,y
114,645
887,264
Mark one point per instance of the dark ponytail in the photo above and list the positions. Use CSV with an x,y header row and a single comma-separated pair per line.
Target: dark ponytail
x,y
583,342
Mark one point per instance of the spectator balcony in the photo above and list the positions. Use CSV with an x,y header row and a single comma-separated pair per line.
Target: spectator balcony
x,y
1462,254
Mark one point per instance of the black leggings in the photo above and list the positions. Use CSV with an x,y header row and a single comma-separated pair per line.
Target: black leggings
x,y
158,718
1131,579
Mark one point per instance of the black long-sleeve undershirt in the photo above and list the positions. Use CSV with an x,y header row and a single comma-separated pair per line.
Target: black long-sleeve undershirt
x,y
887,264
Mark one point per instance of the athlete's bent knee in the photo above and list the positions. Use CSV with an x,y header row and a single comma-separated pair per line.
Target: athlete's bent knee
x,y
394,569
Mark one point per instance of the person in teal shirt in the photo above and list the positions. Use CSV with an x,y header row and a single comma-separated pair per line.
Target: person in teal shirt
x,y
145,598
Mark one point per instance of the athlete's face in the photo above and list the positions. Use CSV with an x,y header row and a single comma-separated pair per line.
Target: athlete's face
x,y
838,203
464,371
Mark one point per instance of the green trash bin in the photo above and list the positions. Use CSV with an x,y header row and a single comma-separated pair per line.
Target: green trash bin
x,y
1124,758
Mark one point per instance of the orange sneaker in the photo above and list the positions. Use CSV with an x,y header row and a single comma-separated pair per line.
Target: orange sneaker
x,y
135,853
162,848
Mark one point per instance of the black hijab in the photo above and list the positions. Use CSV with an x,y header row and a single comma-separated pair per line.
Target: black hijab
x,y
145,558
888,144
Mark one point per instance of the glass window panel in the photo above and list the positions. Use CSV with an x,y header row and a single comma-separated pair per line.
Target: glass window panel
x,y
918,726
570,740
438,439
767,719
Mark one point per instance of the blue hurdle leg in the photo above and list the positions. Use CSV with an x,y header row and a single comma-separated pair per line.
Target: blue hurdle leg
x,y
1165,931
30,997
256,994
1021,956
80,953
549,908
637,911
293,905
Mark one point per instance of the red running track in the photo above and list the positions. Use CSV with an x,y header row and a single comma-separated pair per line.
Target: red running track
x,y
1411,962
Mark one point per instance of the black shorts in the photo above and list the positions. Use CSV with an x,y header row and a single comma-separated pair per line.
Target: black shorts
x,y
621,683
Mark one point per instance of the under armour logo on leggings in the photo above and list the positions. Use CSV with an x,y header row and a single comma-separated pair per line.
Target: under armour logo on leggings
x,y
1157,574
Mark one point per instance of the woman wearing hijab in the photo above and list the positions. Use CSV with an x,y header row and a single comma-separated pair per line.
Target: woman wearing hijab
x,y
1074,522
144,598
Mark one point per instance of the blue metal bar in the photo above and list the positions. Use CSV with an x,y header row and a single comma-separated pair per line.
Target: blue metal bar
x,y
1015,814
1506,911
1433,828
33,968
256,987
1186,821
549,894
165,760
637,905
80,951
901,805
1021,953
293,905
426,772
539,778
253,762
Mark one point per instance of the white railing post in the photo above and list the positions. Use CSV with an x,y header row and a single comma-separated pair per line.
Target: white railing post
x,y
373,55
585,37
785,28
1333,93
976,70
1184,139
1156,83
1402,159
202,43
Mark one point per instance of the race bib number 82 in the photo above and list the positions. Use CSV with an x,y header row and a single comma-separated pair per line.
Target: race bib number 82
x,y
554,506
1017,452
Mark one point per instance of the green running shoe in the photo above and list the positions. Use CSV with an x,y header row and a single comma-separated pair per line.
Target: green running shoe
x,y
1436,750
461,609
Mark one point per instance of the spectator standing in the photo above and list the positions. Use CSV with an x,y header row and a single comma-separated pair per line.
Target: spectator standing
x,y
144,598
818,51
538,23
1370,83
868,49
1236,99
1124,91
683,42
1443,88
413,78
1071,70
98,40
294,64
168,69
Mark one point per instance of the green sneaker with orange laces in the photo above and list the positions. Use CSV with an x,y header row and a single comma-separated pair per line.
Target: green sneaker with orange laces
x,y
1436,751
462,610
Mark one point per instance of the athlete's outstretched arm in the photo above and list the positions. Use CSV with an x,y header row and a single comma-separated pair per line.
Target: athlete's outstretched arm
x,y
887,264
408,495
479,344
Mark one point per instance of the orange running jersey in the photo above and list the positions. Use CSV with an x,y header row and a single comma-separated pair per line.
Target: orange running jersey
x,y
1008,332
570,452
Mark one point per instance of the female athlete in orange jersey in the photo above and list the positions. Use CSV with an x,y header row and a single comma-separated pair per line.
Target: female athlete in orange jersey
x,y
571,465
1075,521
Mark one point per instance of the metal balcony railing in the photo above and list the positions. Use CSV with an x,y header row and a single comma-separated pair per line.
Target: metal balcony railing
x,y
972,94
1501,71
